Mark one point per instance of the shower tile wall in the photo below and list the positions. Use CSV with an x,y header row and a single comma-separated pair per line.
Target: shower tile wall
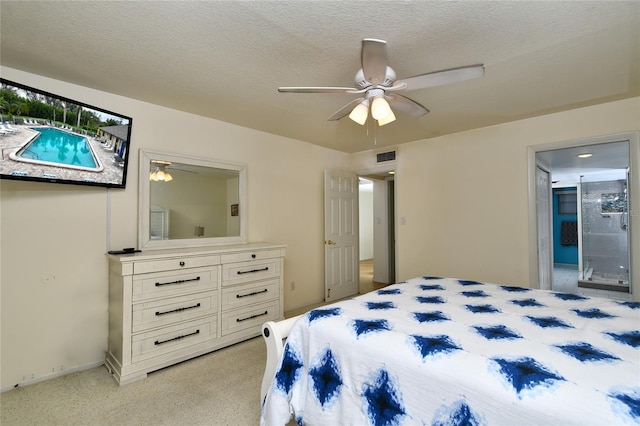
x,y
605,237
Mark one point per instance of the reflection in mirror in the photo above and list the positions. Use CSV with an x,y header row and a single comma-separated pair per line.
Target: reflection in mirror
x,y
190,201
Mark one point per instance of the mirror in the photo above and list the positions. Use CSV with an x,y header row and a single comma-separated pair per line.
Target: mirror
x,y
190,202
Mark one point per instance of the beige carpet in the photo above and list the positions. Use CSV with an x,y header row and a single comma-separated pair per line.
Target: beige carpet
x,y
221,388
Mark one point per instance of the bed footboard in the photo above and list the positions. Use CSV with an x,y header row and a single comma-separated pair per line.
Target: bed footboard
x,y
274,334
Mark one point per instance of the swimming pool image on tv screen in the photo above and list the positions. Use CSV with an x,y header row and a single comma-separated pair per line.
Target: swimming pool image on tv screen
x,y
59,148
61,140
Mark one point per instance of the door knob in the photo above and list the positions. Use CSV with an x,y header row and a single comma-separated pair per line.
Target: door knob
x,y
331,243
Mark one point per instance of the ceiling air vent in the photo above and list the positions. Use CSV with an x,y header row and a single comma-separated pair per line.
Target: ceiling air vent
x,y
382,157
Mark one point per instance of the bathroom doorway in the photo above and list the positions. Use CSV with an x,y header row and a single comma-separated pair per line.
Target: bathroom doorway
x,y
591,233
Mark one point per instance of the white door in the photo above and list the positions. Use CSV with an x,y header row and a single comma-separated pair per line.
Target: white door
x,y
545,238
341,255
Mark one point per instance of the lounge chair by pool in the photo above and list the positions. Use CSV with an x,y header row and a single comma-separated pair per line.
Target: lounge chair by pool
x,y
4,128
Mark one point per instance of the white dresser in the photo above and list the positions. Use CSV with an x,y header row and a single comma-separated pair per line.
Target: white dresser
x,y
166,306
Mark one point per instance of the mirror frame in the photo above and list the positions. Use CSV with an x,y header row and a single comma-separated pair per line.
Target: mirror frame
x,y
144,203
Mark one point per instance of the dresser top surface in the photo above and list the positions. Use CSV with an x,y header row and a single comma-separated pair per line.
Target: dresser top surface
x,y
194,251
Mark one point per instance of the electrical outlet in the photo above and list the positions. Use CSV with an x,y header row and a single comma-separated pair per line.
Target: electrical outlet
x,y
293,285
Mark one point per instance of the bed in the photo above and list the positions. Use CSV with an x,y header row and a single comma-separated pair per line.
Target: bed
x,y
444,351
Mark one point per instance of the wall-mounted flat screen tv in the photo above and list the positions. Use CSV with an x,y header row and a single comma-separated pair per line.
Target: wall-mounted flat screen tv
x,y
50,138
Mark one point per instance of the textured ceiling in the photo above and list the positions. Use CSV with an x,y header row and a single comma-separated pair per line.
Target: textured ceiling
x,y
226,59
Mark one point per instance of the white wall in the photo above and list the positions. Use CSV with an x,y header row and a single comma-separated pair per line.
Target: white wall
x,y
53,279
381,235
465,196
365,199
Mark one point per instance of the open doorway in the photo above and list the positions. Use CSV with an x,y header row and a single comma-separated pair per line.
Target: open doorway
x,y
377,231
590,243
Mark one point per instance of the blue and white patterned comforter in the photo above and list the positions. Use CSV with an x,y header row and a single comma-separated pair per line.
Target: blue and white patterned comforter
x,y
442,351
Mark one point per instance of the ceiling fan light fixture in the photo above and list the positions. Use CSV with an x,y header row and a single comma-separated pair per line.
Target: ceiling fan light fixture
x,y
360,113
160,175
375,81
380,108
390,118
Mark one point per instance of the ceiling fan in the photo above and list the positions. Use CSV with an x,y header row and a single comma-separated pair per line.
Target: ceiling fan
x,y
377,83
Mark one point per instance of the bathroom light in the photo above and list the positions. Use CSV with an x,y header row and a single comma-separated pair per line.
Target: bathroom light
x,y
585,155
380,108
360,112
388,119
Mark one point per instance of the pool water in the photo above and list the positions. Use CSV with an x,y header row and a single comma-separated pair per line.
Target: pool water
x,y
59,147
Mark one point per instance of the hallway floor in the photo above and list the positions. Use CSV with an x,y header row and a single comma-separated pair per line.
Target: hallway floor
x,y
565,279
366,277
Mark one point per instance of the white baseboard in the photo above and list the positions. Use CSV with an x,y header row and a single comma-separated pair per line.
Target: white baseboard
x,y
39,379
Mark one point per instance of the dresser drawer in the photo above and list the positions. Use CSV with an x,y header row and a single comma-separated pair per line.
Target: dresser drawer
x,y
146,266
174,309
173,338
246,294
175,283
235,273
253,316
250,255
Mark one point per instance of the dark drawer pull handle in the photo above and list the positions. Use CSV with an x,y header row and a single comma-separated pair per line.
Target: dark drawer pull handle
x,y
178,281
252,316
159,342
266,268
182,263
178,310
238,296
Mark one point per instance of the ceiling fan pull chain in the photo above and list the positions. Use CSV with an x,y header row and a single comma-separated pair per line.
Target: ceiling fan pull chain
x,y
375,134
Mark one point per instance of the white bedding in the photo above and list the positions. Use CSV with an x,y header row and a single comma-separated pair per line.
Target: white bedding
x,y
443,351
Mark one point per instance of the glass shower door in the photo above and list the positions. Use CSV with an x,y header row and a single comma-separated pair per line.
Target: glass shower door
x,y
605,231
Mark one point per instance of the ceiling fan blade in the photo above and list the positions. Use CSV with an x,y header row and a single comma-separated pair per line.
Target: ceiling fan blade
x,y
317,90
406,105
374,60
345,110
440,78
